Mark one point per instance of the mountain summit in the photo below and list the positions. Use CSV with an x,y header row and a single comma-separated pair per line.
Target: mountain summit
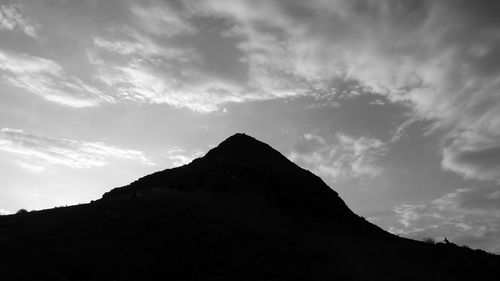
x,y
246,148
241,212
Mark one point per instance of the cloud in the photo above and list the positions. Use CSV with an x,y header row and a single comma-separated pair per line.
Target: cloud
x,y
473,158
180,157
4,212
468,216
344,159
11,18
39,151
158,18
400,130
142,46
175,72
377,102
145,84
47,79
154,72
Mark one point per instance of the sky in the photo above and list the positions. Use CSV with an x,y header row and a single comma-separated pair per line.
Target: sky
x,y
395,104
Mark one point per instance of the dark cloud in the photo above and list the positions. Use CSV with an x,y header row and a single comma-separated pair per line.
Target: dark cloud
x,y
474,162
486,158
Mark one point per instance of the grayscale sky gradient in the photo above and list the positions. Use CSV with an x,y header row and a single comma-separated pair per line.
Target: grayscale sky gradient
x,y
395,104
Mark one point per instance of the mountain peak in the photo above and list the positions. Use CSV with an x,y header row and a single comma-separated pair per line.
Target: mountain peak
x,y
244,148
241,141
240,137
246,167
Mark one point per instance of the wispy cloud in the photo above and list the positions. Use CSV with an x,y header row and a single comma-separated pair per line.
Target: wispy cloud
x,y
11,18
145,84
158,18
130,40
37,151
400,130
345,158
47,79
469,216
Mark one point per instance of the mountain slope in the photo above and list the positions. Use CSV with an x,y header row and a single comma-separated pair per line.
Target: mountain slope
x,y
241,212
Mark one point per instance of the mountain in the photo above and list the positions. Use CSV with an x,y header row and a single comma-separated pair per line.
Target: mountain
x,y
252,170
241,212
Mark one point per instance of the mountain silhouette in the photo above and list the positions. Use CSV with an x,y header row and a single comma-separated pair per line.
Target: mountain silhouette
x,y
241,212
250,169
